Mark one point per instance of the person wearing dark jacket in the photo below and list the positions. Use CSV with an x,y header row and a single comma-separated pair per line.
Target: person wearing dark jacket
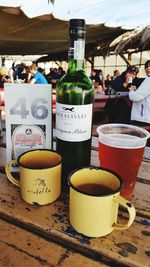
x,y
118,110
121,83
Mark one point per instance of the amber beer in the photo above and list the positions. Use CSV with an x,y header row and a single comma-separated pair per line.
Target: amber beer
x,y
121,149
123,161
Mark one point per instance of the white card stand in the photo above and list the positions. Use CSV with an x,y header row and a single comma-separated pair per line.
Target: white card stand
x,y
28,118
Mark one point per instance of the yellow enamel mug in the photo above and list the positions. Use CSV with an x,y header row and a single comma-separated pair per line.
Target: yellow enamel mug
x,y
94,200
40,176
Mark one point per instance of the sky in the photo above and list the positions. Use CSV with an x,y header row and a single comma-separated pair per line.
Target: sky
x,y
128,14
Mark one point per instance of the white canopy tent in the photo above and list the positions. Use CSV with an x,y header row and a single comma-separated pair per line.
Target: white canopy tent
x,y
41,27
114,13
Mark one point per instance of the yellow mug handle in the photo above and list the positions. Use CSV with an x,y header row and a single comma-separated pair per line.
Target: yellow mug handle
x,y
128,205
9,175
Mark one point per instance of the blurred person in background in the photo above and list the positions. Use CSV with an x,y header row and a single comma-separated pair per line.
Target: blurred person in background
x,y
108,81
38,77
12,73
116,74
96,80
102,78
52,77
41,70
121,83
140,97
61,72
4,78
20,72
118,110
95,76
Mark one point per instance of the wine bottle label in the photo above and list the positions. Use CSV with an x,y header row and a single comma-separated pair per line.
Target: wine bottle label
x,y
73,122
79,47
77,50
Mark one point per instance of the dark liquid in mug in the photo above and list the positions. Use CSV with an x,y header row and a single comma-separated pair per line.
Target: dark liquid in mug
x,y
95,189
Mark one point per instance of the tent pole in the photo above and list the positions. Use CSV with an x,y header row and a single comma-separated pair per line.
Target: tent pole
x,y
125,59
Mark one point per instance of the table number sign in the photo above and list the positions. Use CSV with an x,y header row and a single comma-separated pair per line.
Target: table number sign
x,y
28,118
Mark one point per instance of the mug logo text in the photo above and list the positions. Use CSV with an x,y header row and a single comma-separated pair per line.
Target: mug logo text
x,y
40,187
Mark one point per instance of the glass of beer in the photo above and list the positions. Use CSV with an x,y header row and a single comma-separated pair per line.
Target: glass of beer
x,y
121,149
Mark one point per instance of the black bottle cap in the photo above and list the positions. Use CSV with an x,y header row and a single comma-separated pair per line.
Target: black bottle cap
x,y
77,23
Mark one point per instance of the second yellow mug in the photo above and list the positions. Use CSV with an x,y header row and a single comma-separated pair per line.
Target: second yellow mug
x,y
94,201
40,176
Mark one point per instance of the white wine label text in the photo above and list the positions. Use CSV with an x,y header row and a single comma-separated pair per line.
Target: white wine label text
x,y
79,49
73,122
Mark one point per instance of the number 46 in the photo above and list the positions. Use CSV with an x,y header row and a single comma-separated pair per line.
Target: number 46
x,y
38,110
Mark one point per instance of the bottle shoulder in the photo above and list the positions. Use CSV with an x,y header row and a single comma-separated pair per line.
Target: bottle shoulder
x,y
75,89
78,78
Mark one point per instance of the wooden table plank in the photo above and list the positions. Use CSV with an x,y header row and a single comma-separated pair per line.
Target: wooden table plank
x,y
144,171
141,193
77,260
21,248
130,247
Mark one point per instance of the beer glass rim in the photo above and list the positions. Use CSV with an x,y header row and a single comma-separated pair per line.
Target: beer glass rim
x,y
34,150
95,168
104,137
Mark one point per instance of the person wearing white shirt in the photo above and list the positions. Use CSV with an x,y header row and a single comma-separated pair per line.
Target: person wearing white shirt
x,y
140,113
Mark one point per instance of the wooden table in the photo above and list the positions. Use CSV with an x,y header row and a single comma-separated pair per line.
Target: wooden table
x,y
42,236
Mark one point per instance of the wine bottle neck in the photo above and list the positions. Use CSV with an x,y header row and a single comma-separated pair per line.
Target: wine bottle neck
x,y
75,65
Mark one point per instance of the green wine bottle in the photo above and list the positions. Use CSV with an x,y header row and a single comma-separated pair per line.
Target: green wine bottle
x,y
74,105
